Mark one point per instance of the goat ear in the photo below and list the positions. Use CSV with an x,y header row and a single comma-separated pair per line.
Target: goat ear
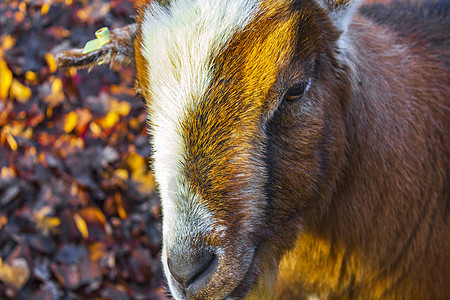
x,y
115,48
340,11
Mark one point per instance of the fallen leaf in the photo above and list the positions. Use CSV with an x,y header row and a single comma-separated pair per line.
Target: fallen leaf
x,y
8,42
11,141
3,221
45,223
123,108
7,173
119,205
19,91
68,276
57,86
50,59
31,77
6,79
136,162
16,274
95,129
45,8
122,174
109,120
81,225
70,121
97,250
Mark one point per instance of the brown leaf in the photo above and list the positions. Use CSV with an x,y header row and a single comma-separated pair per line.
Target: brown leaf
x,y
68,276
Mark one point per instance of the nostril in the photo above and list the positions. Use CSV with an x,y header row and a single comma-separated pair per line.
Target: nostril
x,y
185,270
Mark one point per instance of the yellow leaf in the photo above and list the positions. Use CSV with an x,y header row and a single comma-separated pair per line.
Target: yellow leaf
x,y
123,108
57,86
11,141
146,183
52,222
3,221
17,128
31,77
8,42
96,130
135,161
16,274
27,133
77,142
23,7
109,120
134,123
45,223
6,79
50,59
19,91
7,172
44,9
70,122
121,173
81,225
120,209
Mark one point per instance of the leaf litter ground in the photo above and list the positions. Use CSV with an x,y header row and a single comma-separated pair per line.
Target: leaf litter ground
x,y
79,217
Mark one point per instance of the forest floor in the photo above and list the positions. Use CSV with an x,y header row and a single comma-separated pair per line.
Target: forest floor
x,y
79,216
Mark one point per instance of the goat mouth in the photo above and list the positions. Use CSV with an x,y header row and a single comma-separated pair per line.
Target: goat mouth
x,y
248,281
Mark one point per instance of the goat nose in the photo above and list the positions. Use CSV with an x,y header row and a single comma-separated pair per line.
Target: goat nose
x,y
194,271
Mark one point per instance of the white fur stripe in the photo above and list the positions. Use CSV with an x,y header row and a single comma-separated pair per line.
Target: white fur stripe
x,y
179,43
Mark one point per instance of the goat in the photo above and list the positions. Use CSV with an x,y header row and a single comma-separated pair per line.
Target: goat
x,y
301,147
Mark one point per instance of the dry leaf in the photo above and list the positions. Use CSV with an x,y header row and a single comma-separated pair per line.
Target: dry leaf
x,y
8,42
123,108
119,205
97,250
19,91
57,86
70,121
16,274
45,223
7,173
109,120
93,214
3,221
121,173
11,141
136,162
50,59
45,8
31,77
81,225
95,129
6,79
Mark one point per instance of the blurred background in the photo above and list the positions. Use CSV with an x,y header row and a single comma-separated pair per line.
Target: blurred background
x,y
79,217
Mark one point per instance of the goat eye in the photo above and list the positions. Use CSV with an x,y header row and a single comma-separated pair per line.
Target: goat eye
x,y
296,92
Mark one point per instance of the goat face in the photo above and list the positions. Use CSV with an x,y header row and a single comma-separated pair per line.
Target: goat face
x,y
240,167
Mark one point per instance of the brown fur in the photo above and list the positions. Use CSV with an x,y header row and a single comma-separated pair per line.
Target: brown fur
x,y
119,51
351,182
